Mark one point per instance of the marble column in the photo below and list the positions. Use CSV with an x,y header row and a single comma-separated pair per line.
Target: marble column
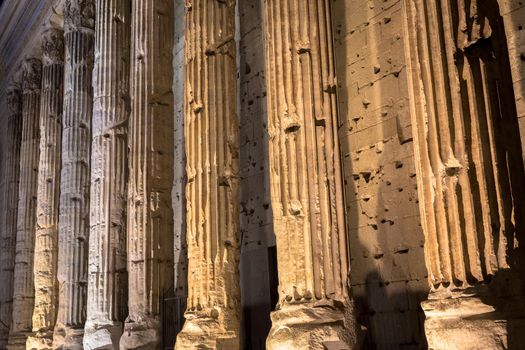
x,y
73,233
10,182
23,289
212,190
315,309
48,191
470,173
107,278
150,214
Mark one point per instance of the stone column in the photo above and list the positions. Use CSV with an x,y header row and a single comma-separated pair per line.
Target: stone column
x,y
48,191
23,291
150,215
107,278
73,233
10,182
212,190
470,173
315,310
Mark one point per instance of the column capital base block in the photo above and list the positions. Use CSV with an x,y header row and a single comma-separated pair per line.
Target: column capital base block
x,y
204,332
142,334
40,341
102,335
68,338
313,326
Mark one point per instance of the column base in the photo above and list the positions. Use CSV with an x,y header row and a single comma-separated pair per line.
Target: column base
x,y
313,326
17,341
468,322
141,335
40,341
103,335
67,338
206,333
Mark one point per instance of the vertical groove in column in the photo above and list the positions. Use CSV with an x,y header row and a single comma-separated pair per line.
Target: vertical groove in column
x,y
9,196
79,25
48,191
107,279
306,179
212,150
23,288
150,215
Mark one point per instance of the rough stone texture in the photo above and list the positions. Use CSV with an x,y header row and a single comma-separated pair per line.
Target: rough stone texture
x,y
9,182
73,226
388,274
258,266
107,279
23,291
48,192
212,151
469,166
150,215
306,182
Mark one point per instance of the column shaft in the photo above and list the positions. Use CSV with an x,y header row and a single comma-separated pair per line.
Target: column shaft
x,y
212,190
107,279
23,292
10,181
306,179
150,215
75,176
48,191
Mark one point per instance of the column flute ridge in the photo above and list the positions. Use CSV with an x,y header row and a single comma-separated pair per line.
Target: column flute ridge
x,y
150,214
79,41
48,191
306,178
107,279
212,190
10,178
23,288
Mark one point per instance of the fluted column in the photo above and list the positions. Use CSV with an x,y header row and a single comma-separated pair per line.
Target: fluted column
x,y
48,191
150,215
23,291
9,196
469,170
306,181
79,38
212,190
107,279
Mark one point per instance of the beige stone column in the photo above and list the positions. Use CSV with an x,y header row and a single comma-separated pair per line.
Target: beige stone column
x,y
23,289
107,278
315,309
150,215
79,38
212,190
48,191
470,173
10,176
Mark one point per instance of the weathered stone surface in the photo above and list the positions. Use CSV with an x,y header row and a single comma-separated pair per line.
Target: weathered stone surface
x,y
23,291
73,226
150,215
48,191
469,167
9,179
305,175
212,151
107,279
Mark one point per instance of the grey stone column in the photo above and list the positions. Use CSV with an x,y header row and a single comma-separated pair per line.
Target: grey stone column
x,y
23,289
212,190
73,234
10,181
48,191
150,216
107,279
314,310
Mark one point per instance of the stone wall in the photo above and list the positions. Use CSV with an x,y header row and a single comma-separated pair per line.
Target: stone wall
x,y
388,274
